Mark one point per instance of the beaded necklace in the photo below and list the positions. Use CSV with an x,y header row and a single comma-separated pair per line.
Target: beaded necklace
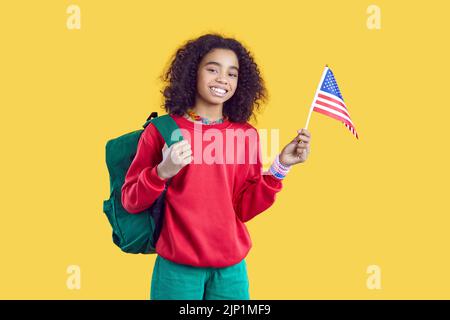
x,y
196,117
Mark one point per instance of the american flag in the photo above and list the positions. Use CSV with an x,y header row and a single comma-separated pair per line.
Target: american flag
x,y
329,101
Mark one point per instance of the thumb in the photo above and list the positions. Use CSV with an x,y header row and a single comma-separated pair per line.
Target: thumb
x,y
165,151
296,139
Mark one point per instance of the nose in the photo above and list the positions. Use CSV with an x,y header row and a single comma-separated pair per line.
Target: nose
x,y
221,79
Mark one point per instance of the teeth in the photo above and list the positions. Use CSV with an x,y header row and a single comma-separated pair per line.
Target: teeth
x,y
218,90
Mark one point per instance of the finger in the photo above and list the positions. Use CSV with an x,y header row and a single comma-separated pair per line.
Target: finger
x,y
302,151
304,131
179,144
177,151
301,141
303,138
179,157
296,139
180,160
176,159
186,154
182,148
187,160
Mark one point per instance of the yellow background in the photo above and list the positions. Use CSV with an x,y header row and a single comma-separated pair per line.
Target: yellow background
x,y
380,200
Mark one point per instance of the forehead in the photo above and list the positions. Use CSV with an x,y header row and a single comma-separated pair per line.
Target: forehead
x,y
225,57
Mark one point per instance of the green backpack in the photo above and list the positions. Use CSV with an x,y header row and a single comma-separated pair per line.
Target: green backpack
x,y
134,233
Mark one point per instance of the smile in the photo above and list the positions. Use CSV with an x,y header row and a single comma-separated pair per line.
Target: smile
x,y
218,91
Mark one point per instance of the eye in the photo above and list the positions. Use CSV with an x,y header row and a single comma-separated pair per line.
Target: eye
x,y
234,75
211,69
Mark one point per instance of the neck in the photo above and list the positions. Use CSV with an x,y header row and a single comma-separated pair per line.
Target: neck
x,y
211,111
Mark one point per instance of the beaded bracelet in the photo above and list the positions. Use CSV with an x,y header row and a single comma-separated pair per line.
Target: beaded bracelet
x,y
279,170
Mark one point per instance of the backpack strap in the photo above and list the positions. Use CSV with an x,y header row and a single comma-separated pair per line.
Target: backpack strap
x,y
152,115
166,126
149,119
168,129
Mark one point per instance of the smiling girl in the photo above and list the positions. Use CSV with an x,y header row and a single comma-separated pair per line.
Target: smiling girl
x,y
213,86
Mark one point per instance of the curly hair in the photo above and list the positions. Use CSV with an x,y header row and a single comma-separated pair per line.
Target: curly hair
x,y
181,79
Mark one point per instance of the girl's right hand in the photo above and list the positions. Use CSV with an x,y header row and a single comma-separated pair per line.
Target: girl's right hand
x,y
174,159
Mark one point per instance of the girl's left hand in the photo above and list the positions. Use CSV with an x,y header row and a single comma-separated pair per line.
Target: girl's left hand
x,y
297,150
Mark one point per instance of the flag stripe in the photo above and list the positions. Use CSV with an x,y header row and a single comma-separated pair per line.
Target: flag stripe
x,y
334,107
332,115
332,99
352,130
337,113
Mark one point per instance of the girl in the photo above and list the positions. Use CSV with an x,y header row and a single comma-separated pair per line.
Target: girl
x,y
213,87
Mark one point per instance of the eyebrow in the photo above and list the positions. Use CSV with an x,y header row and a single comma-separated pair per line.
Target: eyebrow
x,y
218,64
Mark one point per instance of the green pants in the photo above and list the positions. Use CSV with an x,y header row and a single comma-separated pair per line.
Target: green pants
x,y
173,281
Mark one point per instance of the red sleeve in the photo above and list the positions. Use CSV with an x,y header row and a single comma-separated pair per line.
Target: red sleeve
x,y
258,192
142,184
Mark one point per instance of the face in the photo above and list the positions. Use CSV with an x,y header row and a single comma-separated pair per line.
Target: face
x,y
217,76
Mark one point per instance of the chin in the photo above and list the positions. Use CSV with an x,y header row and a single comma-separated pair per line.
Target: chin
x,y
216,100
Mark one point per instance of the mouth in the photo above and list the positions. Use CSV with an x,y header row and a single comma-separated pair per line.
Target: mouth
x,y
219,92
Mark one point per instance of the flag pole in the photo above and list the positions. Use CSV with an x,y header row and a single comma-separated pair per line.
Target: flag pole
x,y
315,95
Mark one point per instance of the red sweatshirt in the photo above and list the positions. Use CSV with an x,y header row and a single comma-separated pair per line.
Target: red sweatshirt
x,y
207,202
